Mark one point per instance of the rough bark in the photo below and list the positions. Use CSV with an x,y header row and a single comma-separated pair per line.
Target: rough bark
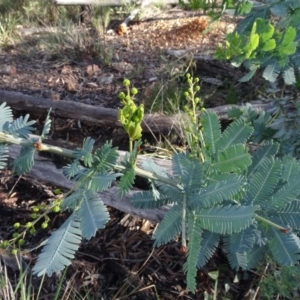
x,y
156,123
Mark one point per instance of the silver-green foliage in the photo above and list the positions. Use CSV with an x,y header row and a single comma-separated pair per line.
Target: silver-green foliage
x,y
249,201
280,123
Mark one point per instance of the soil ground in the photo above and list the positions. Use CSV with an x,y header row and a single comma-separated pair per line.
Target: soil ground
x,y
119,263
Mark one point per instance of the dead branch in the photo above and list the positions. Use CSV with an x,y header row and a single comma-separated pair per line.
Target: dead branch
x,y
156,123
112,2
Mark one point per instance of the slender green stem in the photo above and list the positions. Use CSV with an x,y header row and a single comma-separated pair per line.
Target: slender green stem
x,y
183,222
34,142
66,152
283,229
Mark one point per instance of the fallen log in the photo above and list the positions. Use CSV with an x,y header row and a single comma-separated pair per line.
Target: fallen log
x,y
156,123
113,2
44,170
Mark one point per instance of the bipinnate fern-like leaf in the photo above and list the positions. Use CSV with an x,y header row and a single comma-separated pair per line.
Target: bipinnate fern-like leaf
x,y
216,192
126,181
286,193
211,130
289,76
101,181
60,248
237,245
147,200
24,162
290,214
285,247
208,246
189,170
179,164
280,9
264,29
72,169
266,150
288,45
3,156
264,181
105,157
169,227
170,191
291,168
233,159
236,133
92,213
194,237
226,219
185,167
151,166
271,72
71,201
255,255
6,115
87,148
47,126
249,75
159,189
20,127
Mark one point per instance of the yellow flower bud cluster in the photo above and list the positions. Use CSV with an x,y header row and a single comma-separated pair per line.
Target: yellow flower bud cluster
x,y
131,115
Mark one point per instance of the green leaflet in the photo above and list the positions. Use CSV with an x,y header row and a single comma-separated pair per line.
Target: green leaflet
x,y
60,248
72,169
287,193
126,181
285,247
236,133
71,201
216,192
105,157
101,181
289,76
3,156
47,126
20,127
211,130
87,148
92,213
290,168
237,245
151,166
290,214
147,200
208,246
169,227
254,256
187,170
226,219
264,181
268,149
24,162
259,40
233,159
6,115
190,266
271,72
